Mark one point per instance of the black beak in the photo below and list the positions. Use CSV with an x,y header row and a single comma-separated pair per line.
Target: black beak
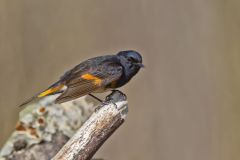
x,y
140,65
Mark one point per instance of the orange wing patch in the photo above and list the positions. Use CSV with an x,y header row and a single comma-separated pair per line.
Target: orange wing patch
x,y
51,90
96,80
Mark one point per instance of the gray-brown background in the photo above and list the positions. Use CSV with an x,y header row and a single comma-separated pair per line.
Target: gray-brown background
x,y
184,105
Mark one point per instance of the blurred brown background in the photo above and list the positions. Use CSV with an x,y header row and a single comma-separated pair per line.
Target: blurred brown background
x,y
184,105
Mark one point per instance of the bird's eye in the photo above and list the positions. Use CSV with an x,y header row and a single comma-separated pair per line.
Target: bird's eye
x,y
132,59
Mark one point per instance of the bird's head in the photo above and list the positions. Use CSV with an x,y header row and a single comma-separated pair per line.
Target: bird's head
x,y
131,60
132,57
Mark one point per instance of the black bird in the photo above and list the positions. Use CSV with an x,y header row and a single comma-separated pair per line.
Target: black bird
x,y
95,75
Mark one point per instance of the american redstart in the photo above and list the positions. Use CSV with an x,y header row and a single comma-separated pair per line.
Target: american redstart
x,y
95,75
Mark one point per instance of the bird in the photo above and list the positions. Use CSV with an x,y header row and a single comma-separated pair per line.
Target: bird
x,y
94,75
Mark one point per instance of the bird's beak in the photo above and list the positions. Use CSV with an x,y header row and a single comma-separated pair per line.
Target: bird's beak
x,y
140,65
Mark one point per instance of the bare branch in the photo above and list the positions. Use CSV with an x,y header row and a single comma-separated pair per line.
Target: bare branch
x,y
94,132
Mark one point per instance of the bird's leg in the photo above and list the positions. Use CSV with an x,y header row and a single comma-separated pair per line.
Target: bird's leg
x,y
103,102
114,97
98,99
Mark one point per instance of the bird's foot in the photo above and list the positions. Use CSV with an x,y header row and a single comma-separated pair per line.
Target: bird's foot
x,y
112,98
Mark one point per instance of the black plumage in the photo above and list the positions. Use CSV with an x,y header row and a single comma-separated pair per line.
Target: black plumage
x,y
97,74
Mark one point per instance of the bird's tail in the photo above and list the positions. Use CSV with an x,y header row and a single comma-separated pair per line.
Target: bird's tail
x,y
53,89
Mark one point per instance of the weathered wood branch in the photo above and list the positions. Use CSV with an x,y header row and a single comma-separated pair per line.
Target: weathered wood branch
x,y
94,132
45,127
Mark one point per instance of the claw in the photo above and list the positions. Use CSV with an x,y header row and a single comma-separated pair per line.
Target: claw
x,y
112,98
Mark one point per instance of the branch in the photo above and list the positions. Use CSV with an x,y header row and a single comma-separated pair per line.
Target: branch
x,y
94,132
44,127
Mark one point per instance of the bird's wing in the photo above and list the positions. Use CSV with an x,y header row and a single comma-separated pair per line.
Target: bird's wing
x,y
87,82
74,76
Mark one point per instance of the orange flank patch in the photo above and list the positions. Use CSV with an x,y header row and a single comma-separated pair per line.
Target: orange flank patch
x,y
113,84
96,80
50,91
